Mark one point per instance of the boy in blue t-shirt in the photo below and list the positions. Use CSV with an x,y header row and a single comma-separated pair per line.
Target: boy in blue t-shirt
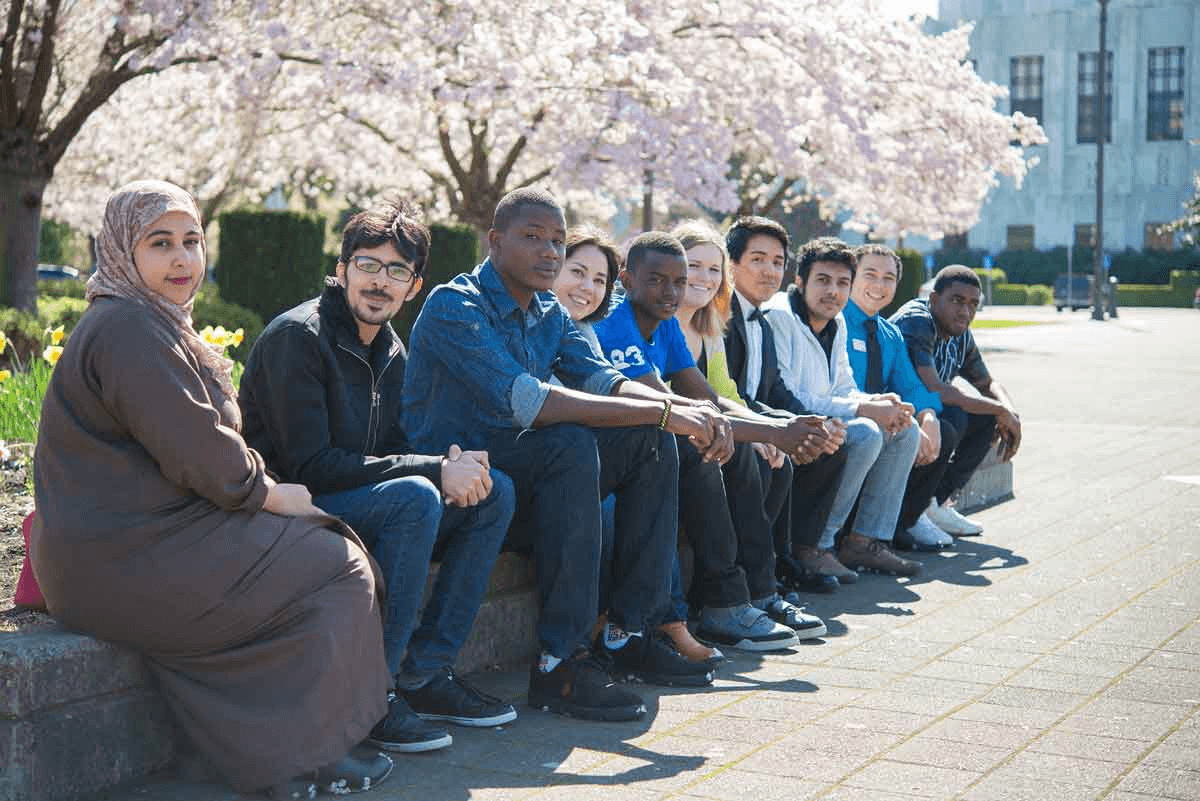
x,y
740,607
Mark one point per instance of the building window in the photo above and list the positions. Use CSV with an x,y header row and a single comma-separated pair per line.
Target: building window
x,y
1088,95
1164,115
1025,85
955,242
1158,239
1020,237
1085,235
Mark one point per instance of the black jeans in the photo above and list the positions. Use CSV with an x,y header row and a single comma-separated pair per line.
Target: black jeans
x,y
560,474
717,579
973,435
758,497
814,487
923,481
966,439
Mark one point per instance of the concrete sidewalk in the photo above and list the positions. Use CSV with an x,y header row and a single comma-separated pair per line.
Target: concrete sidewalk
x,y
1055,658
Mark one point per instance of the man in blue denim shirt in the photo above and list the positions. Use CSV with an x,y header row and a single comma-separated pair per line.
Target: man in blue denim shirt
x,y
483,351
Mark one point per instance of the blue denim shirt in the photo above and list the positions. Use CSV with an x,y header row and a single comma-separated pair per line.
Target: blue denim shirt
x,y
478,363
898,373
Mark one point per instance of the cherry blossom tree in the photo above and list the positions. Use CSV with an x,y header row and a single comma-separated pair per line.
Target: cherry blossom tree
x,y
735,105
62,60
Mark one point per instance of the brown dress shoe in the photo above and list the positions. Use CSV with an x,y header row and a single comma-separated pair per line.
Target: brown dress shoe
x,y
821,562
866,553
688,646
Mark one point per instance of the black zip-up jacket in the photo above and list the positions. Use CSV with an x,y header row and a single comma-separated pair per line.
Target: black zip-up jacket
x,y
322,408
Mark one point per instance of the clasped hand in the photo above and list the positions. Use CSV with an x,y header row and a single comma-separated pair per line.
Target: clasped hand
x,y
465,477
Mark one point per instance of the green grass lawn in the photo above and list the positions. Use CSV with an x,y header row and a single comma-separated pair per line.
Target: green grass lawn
x,y
1004,323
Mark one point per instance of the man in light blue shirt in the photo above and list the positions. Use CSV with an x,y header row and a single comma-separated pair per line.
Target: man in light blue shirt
x,y
880,363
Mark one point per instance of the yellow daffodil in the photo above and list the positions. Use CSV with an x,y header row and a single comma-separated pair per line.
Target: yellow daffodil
x,y
3,342
5,375
237,336
55,335
52,353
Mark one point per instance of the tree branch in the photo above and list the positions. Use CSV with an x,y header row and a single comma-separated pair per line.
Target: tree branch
x,y
515,151
8,89
452,161
100,87
32,113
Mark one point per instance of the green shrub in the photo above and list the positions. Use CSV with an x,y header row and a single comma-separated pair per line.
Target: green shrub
x,y
454,250
64,311
1040,295
270,261
998,276
968,257
912,275
1178,294
22,332
1009,294
210,309
61,289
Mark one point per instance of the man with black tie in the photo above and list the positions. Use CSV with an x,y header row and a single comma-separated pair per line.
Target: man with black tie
x,y
758,253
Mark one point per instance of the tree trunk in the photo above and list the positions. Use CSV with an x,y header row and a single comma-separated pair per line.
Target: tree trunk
x,y
20,221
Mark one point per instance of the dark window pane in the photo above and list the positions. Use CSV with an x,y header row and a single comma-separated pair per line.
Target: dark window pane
x,y
1164,99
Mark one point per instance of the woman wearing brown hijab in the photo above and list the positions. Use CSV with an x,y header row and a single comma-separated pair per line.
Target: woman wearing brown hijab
x,y
161,531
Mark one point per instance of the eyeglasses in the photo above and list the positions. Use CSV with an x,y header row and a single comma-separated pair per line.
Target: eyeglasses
x,y
400,273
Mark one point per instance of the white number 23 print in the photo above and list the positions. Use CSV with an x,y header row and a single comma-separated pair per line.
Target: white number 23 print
x,y
630,357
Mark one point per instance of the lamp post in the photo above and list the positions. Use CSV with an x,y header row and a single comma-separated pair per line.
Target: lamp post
x,y
1100,282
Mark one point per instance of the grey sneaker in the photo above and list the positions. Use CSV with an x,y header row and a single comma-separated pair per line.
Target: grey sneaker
x,y
807,627
744,627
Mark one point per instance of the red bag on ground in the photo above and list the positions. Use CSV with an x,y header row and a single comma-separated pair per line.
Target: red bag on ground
x,y
28,595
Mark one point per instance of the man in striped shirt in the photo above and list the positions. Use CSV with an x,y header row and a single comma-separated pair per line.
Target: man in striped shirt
x,y
940,344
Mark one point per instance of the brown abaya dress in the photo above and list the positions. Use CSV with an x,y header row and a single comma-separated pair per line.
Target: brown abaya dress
x,y
263,631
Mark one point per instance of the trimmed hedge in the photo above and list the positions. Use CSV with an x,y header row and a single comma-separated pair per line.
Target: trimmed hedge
x,y
1021,295
912,275
1178,294
454,249
1009,294
1044,266
1040,295
270,261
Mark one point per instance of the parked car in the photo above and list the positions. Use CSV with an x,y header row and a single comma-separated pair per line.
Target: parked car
x,y
57,272
1080,294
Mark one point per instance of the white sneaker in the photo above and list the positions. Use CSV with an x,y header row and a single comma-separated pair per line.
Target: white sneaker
x,y
926,535
950,521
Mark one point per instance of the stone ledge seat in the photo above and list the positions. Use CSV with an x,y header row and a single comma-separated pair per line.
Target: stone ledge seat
x,y
79,716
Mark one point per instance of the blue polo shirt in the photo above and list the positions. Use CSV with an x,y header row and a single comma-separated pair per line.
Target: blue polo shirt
x,y
479,363
622,343
898,373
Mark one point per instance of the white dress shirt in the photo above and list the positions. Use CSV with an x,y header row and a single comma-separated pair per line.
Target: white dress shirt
x,y
754,345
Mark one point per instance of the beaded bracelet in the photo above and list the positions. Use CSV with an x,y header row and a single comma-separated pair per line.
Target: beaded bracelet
x,y
666,415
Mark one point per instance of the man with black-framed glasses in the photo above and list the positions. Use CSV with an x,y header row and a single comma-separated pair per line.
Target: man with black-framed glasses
x,y
321,401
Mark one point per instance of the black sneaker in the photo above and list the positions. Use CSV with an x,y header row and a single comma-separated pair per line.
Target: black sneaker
x,y
357,772
403,731
447,697
655,661
581,687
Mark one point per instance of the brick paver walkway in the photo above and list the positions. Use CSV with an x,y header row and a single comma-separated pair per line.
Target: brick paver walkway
x,y
1056,658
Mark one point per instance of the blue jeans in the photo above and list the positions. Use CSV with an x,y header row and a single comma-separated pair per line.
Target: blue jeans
x,y
877,464
401,521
